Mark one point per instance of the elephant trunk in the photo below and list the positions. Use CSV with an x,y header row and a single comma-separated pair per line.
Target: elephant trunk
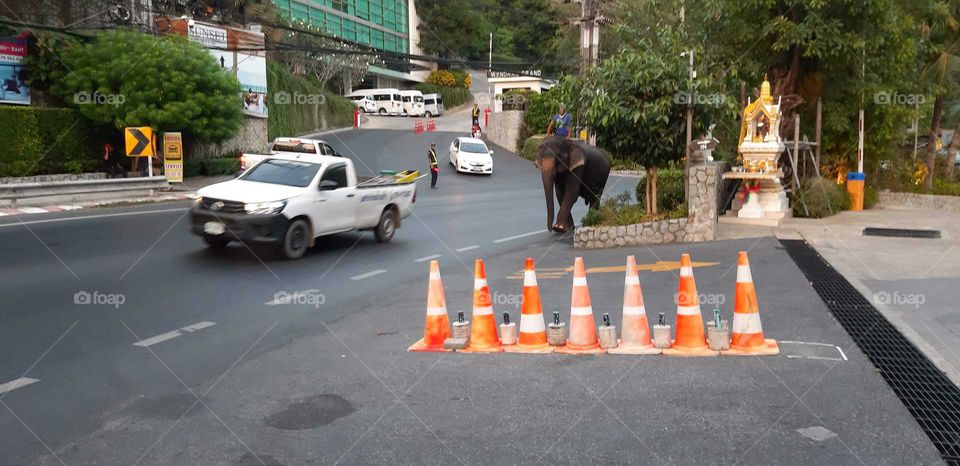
x,y
548,180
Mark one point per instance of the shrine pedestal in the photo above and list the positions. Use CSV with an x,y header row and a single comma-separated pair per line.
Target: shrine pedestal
x,y
766,207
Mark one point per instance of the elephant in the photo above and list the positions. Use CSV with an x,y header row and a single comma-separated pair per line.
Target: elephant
x,y
573,169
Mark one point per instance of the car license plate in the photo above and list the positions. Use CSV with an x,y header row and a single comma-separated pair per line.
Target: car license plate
x,y
214,228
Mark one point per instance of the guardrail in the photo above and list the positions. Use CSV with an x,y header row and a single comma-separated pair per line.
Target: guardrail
x,y
18,191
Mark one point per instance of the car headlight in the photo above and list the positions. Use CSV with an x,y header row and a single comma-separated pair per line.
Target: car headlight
x,y
198,200
265,208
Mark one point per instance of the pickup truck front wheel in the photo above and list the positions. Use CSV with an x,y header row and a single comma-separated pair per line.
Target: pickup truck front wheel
x,y
387,226
296,240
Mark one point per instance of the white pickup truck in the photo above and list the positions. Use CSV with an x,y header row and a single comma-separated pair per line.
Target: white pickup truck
x,y
289,146
289,201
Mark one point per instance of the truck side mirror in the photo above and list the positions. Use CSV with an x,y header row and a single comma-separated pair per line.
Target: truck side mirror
x,y
329,185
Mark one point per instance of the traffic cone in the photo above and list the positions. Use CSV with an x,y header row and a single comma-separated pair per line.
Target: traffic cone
x,y
635,335
483,338
533,332
583,329
437,327
691,339
747,333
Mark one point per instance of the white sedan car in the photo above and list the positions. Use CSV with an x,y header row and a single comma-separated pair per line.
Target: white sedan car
x,y
470,155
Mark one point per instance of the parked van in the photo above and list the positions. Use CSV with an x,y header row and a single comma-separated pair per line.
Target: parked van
x,y
365,103
388,101
412,103
432,105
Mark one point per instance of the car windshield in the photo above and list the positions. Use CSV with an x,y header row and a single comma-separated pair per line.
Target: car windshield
x,y
296,147
285,172
474,147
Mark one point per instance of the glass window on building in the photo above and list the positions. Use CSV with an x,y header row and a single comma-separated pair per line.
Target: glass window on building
x,y
340,5
377,38
390,42
350,30
363,34
376,12
333,25
318,18
363,9
300,12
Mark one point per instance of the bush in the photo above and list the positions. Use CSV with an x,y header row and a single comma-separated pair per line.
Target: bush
x,y
669,190
460,79
442,78
619,210
452,96
300,118
818,198
45,141
530,145
540,108
192,167
221,166
870,197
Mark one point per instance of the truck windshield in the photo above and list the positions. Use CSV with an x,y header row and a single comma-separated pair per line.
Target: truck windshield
x,y
295,147
285,172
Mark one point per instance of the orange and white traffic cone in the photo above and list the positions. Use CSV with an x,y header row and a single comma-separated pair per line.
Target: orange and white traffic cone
x,y
691,338
483,337
747,333
533,331
437,327
635,335
583,329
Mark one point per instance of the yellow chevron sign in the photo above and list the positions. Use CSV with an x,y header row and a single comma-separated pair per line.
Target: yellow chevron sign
x,y
659,266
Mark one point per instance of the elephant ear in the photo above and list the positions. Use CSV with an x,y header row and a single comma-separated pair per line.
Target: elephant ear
x,y
578,156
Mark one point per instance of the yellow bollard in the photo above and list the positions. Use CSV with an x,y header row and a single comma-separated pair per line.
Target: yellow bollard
x,y
855,186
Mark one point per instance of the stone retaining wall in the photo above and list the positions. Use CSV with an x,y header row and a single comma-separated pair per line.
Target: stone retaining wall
x,y
894,200
504,128
700,225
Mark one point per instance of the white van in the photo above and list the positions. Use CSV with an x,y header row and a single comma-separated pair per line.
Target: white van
x,y
365,103
432,105
412,103
388,101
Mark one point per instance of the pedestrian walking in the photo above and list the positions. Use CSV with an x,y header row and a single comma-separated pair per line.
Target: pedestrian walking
x,y
434,165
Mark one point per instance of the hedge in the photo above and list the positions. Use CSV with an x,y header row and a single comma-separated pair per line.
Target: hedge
x,y
452,96
211,167
47,141
300,115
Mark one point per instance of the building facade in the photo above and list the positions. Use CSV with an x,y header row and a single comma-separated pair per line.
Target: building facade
x,y
388,25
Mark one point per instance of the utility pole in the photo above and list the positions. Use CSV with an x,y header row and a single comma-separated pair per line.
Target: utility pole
x,y
490,56
589,34
692,74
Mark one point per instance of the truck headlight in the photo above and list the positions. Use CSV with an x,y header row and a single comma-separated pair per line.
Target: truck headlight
x,y
265,208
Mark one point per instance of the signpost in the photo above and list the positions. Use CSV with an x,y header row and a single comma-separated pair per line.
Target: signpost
x,y
173,157
139,143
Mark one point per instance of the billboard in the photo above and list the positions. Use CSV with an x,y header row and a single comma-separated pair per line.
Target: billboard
x,y
13,74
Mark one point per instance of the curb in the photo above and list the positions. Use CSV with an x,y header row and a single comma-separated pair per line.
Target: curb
x,y
20,211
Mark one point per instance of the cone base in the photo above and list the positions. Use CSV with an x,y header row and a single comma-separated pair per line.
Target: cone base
x,y
483,349
771,348
678,351
626,348
421,347
567,349
544,348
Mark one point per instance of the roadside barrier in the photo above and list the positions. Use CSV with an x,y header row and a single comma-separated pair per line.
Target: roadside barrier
x,y
483,338
437,326
533,331
584,337
431,125
418,126
747,332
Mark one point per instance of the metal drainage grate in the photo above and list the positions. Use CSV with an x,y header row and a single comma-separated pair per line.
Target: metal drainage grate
x,y
901,233
932,399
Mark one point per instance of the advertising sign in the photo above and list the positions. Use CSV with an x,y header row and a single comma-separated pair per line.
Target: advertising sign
x,y
13,75
173,157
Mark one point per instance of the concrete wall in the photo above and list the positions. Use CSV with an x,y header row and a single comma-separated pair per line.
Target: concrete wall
x,y
504,128
891,200
252,137
700,225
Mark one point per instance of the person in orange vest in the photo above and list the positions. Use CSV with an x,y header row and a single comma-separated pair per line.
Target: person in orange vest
x,y
434,165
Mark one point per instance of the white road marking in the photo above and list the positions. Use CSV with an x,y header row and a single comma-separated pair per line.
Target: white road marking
x,y
842,353
33,210
805,343
368,274
523,235
424,259
70,207
811,343
15,384
794,356
158,339
468,248
198,326
86,217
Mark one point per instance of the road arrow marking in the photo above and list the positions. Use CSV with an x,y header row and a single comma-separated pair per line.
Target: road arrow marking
x,y
368,274
659,266
15,384
424,259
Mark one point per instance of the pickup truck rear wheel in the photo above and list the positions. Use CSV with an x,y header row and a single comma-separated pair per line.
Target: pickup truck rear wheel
x,y
296,240
387,226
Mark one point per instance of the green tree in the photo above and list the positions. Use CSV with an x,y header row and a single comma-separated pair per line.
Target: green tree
x,y
125,79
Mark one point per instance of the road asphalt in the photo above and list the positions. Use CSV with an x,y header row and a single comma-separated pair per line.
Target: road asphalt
x,y
199,364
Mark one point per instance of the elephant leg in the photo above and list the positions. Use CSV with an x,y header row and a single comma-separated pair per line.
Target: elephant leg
x,y
571,190
597,190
